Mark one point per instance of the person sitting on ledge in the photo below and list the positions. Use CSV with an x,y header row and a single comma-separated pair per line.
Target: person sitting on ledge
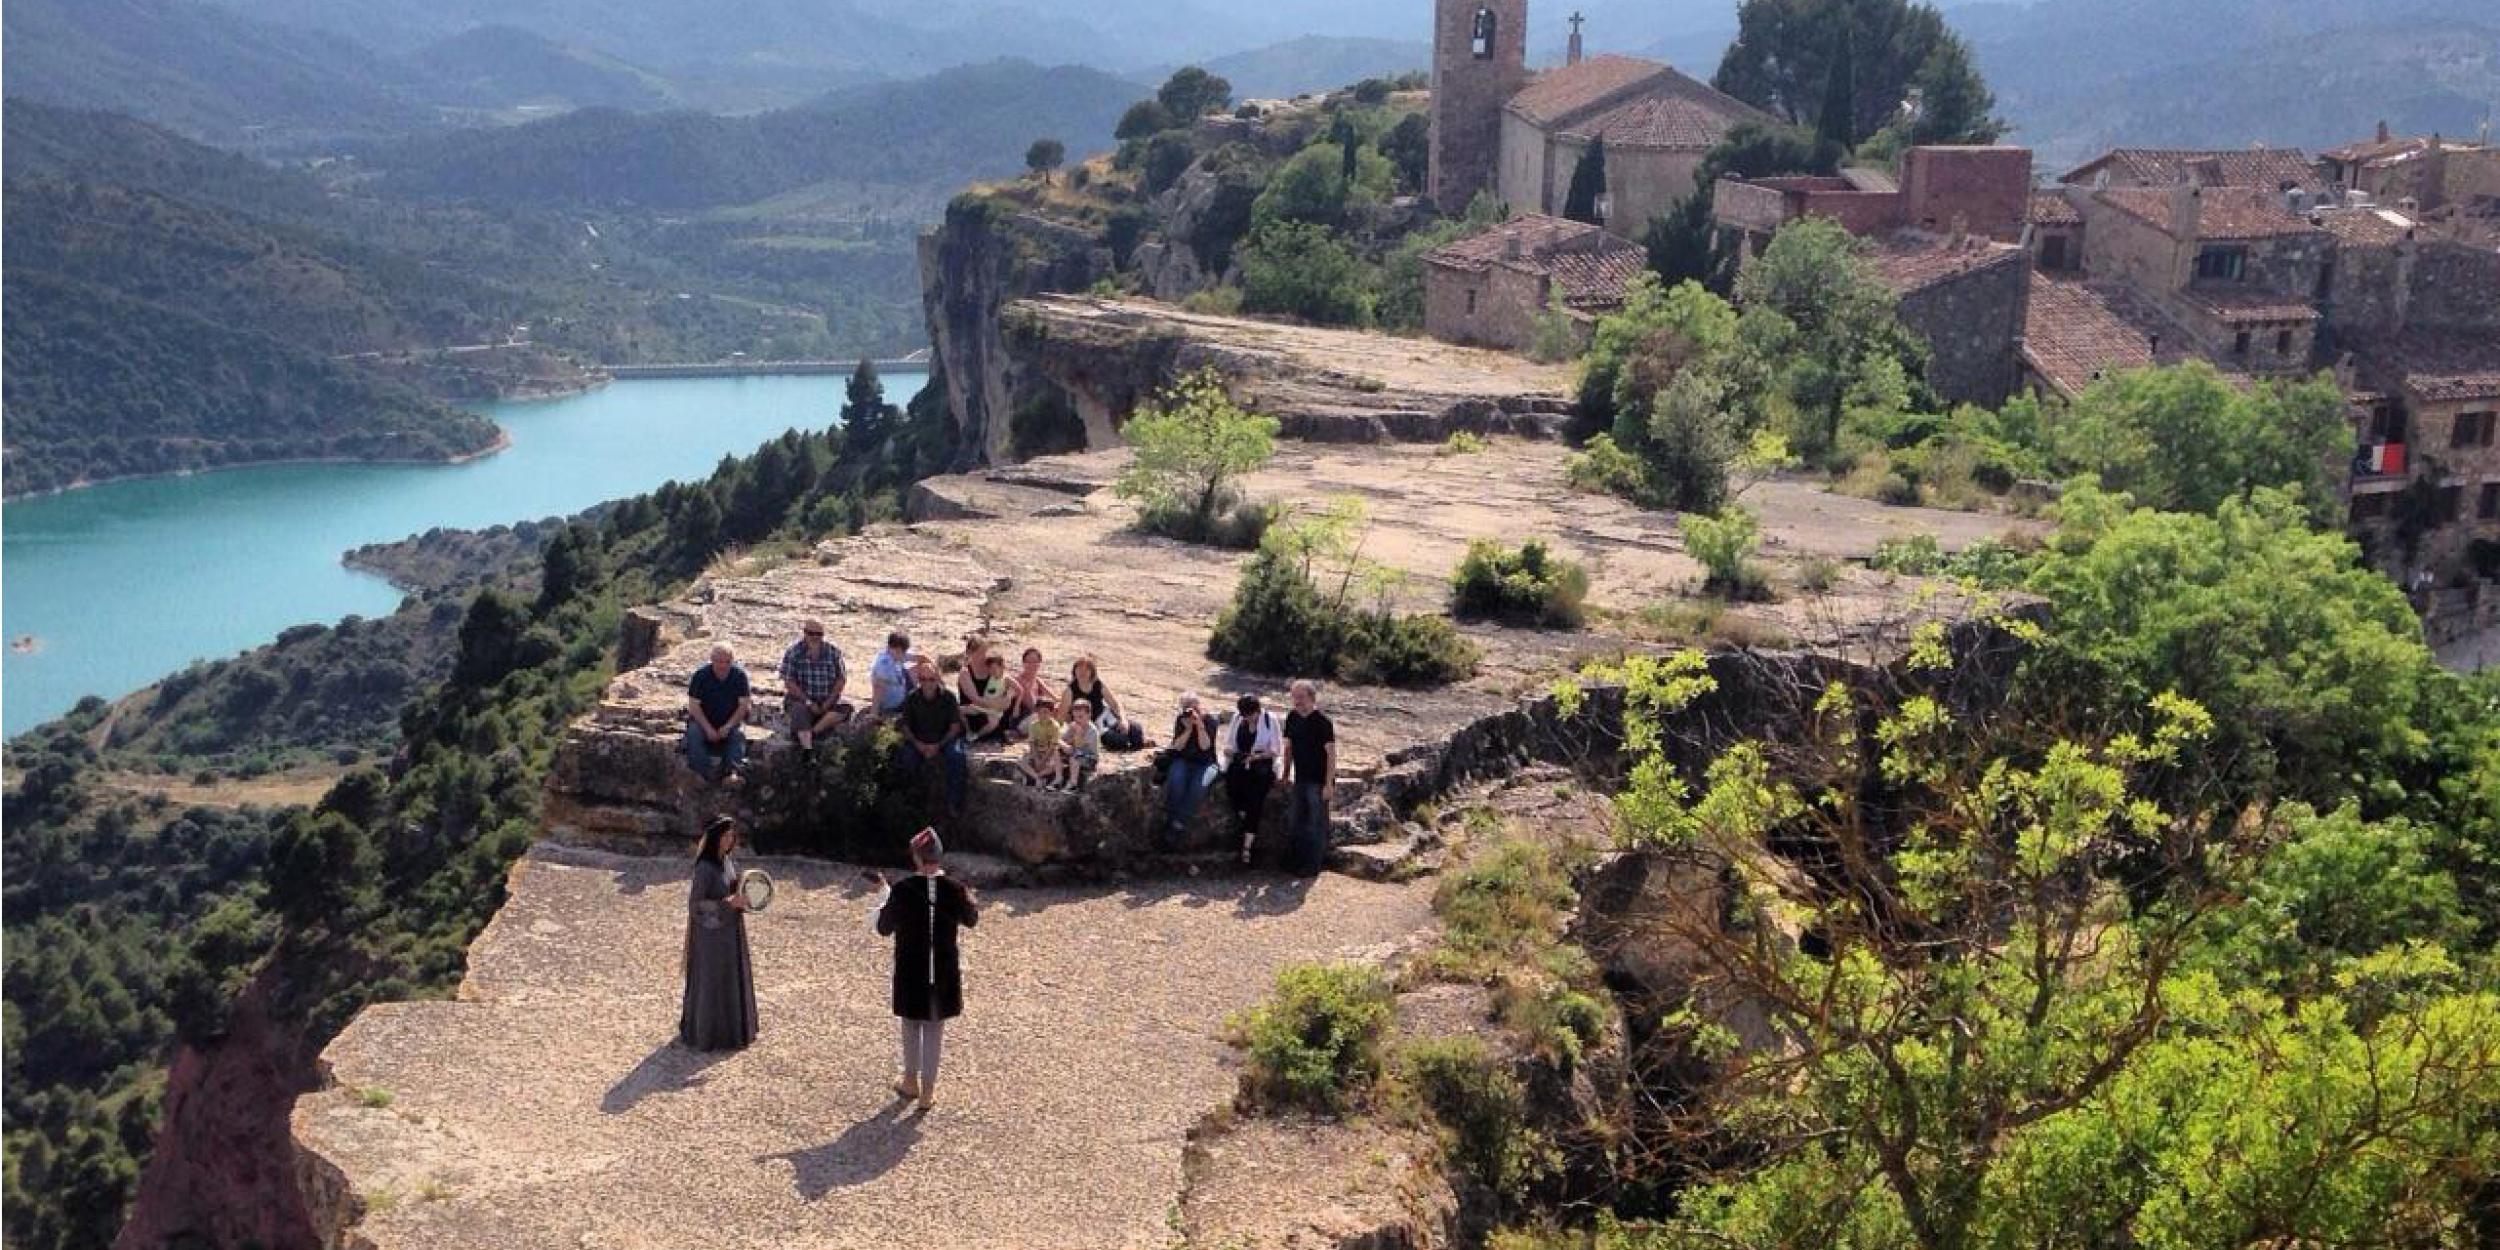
x,y
1119,733
987,708
1032,690
1084,741
933,735
717,708
812,677
1192,769
1046,763
1252,739
890,678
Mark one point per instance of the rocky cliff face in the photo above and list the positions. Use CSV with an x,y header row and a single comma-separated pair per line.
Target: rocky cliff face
x,y
985,256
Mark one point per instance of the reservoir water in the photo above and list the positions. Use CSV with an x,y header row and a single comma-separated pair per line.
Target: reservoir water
x,y
123,583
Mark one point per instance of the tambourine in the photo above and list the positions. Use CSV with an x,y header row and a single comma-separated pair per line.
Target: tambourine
x,y
755,886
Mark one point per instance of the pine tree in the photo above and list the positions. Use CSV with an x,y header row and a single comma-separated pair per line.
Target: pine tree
x,y
1839,124
1588,184
867,420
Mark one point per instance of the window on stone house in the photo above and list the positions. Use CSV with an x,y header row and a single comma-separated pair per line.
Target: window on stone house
x,y
2053,253
2449,506
2222,264
2368,507
2387,423
2326,280
2473,429
1487,25
2239,345
1471,301
2488,507
2282,342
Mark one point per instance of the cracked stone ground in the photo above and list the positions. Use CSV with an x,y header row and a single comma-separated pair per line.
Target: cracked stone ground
x,y
546,1107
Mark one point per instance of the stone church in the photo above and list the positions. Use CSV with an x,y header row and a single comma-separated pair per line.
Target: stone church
x,y
1499,127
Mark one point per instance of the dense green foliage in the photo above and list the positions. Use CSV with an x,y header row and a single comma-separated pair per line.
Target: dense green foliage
x,y
1190,447
130,920
1300,269
1317,1041
1528,585
1284,620
2185,439
1790,54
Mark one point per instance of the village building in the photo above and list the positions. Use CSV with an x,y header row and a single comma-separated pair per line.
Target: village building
x,y
2424,176
1945,238
1499,128
1491,289
2276,169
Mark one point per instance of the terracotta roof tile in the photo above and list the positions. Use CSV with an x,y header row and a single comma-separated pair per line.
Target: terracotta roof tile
x,y
2228,213
2440,366
2366,227
2242,305
1672,122
1909,261
2073,335
2050,208
1557,95
2270,168
1589,267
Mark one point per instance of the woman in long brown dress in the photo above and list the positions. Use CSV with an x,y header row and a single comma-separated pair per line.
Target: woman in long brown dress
x,y
719,1007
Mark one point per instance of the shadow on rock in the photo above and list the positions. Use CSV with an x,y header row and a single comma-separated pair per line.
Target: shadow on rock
x,y
864,1152
668,1070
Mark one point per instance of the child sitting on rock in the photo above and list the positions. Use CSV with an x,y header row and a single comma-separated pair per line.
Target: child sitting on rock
x,y
1046,762
1084,743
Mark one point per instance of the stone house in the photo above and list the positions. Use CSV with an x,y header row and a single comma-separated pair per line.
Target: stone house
x,y
1969,298
1944,241
2055,239
2418,175
2231,266
2430,414
1489,289
1498,127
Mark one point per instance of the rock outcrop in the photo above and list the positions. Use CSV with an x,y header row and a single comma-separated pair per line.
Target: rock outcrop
x,y
1041,554
985,256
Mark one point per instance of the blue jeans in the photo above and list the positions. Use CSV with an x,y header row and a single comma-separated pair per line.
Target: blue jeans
x,y
1184,791
953,758
1306,847
714,760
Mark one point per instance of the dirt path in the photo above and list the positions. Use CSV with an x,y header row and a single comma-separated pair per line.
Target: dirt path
x,y
547,1107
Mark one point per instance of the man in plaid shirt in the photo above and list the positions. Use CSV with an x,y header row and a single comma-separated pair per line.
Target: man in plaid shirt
x,y
812,677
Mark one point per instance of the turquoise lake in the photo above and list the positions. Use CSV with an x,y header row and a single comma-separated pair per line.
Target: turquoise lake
x,y
123,583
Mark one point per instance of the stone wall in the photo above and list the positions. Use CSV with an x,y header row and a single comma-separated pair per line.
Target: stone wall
x,y
2453,286
1988,189
1973,324
1493,307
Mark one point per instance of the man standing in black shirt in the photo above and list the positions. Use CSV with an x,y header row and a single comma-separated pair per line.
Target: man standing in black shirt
x,y
934,734
1310,778
717,707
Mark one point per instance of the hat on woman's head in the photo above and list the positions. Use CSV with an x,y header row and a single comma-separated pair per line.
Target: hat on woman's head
x,y
925,845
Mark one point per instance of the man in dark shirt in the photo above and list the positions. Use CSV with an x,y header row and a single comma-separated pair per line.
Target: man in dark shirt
x,y
933,735
717,707
1310,779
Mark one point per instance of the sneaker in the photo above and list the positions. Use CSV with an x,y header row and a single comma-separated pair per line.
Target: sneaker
x,y
908,1089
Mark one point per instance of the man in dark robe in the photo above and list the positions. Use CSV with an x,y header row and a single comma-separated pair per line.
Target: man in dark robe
x,y
923,913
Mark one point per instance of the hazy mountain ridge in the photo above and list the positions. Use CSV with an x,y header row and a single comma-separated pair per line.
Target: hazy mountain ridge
x,y
933,134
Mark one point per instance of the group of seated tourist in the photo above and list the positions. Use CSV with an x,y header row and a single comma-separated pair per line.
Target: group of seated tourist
x,y
1064,731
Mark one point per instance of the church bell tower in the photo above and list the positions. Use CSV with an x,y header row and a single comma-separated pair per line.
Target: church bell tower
x,y
1479,61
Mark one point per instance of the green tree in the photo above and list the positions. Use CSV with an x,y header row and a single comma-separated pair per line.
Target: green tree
x,y
2185,438
1662,376
1588,184
1955,105
2312,665
1786,53
1817,322
1144,120
1300,269
1045,156
1313,187
1408,145
1168,156
1189,449
569,565
868,421
1191,93
490,638
1838,123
